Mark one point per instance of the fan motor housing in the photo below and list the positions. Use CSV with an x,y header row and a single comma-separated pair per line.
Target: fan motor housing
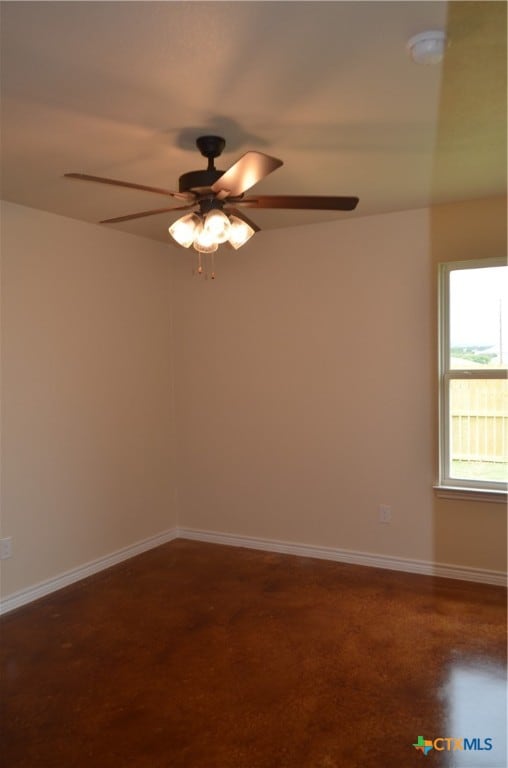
x,y
198,180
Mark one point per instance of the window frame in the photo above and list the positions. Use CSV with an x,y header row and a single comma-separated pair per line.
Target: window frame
x,y
446,374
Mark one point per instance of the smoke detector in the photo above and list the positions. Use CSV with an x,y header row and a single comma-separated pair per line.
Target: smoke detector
x,y
427,47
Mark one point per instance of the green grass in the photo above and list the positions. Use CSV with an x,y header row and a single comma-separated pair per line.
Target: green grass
x,y
480,470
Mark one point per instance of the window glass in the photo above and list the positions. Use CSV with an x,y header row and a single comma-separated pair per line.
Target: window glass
x,y
473,374
479,317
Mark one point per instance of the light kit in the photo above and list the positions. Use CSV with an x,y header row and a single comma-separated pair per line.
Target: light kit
x,y
206,230
206,233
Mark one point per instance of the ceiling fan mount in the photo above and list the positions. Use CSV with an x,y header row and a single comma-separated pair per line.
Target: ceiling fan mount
x,y
211,146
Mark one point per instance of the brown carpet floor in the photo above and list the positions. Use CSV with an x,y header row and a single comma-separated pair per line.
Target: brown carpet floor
x,y
195,655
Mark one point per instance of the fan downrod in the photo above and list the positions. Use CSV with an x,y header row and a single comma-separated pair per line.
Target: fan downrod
x,y
201,181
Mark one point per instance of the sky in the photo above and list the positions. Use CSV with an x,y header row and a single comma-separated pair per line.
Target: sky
x,y
479,307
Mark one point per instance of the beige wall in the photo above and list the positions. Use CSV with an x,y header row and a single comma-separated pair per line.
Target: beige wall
x,y
303,387
305,383
87,421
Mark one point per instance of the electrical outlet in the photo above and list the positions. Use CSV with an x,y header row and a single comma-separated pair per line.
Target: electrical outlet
x,y
5,548
385,513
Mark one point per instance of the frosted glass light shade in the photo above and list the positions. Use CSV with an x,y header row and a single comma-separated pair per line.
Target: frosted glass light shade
x,y
184,230
239,233
217,225
204,241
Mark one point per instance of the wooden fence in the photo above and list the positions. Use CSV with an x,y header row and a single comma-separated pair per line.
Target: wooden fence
x,y
479,414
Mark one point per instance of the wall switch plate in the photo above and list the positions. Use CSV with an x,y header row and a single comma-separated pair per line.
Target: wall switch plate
x,y
5,548
385,513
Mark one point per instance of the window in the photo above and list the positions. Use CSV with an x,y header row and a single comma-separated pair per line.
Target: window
x,y
473,352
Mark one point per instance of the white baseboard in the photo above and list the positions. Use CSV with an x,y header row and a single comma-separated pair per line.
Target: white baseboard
x,y
427,568
408,565
76,574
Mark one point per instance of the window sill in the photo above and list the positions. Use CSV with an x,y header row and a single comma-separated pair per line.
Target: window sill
x,y
470,494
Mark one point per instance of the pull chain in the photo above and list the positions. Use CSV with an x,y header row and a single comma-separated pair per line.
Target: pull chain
x,y
204,265
199,269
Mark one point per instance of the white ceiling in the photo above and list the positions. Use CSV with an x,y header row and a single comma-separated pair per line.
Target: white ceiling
x,y
122,89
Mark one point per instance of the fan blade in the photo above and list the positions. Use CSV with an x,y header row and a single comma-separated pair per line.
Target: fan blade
x,y
145,213
242,216
301,202
247,171
101,180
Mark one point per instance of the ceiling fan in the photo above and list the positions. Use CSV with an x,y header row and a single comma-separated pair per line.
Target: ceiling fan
x,y
215,199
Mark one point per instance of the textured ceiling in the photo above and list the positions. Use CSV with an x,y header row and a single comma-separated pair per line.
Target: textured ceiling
x,y
122,89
